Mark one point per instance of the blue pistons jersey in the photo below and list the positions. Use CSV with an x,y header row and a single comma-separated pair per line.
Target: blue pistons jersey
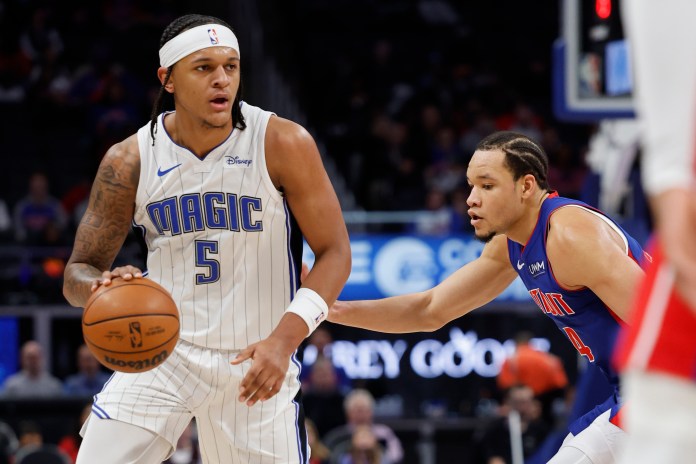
x,y
588,323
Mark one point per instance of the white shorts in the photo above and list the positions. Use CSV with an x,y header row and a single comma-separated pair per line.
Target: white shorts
x,y
201,382
600,443
660,418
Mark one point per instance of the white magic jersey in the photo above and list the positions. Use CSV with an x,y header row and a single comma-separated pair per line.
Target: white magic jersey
x,y
218,234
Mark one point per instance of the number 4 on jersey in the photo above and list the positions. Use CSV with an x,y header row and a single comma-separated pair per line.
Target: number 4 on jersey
x,y
578,344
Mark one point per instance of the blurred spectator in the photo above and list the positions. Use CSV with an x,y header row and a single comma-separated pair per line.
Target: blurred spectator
x,y
496,442
89,379
15,68
42,43
524,121
39,218
70,444
359,408
460,221
32,380
30,434
186,451
319,346
446,169
8,443
319,453
32,448
5,222
364,449
75,201
436,219
322,398
483,125
541,371
565,174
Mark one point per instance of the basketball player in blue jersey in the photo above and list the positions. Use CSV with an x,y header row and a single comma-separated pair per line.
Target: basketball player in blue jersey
x,y
223,192
580,268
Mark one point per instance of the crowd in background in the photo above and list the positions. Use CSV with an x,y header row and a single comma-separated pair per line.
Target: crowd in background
x,y
403,99
341,415
398,106
398,102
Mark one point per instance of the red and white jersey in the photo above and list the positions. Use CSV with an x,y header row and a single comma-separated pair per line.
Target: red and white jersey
x,y
220,236
661,335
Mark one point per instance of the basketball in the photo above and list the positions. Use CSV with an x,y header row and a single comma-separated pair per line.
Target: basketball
x,y
131,326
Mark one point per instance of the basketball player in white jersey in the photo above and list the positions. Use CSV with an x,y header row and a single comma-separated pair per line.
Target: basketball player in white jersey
x,y
658,353
223,193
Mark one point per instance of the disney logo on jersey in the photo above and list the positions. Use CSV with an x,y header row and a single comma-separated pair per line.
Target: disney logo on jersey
x,y
233,161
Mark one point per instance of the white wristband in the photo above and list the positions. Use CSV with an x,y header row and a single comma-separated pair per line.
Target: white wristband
x,y
310,307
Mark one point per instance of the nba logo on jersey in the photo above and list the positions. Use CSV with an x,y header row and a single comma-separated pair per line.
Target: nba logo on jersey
x,y
213,37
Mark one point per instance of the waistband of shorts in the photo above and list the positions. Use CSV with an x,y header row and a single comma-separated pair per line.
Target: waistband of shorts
x,y
190,345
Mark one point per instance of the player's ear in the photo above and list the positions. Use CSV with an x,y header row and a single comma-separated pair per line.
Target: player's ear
x,y
529,185
162,75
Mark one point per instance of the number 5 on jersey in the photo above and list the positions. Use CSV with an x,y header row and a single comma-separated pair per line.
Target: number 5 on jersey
x,y
205,248
578,344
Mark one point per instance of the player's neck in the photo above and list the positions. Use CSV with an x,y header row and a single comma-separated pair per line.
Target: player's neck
x,y
195,134
523,229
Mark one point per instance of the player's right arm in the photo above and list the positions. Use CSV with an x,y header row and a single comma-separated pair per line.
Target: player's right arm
x,y
675,213
473,285
105,224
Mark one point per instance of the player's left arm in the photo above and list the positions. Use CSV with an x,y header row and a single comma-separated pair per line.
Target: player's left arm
x,y
296,169
584,251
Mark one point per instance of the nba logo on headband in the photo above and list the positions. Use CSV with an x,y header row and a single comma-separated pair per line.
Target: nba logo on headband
x,y
197,38
213,37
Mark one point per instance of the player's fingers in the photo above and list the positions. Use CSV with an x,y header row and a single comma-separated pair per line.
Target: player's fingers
x,y
127,272
272,388
243,355
106,278
96,283
265,391
249,386
266,388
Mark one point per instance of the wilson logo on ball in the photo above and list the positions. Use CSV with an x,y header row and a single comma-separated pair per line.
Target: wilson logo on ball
x,y
138,365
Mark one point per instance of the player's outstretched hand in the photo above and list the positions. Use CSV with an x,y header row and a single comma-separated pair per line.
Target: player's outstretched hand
x,y
124,272
336,311
269,365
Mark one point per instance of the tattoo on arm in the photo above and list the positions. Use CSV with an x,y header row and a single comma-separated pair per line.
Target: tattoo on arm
x,y
106,222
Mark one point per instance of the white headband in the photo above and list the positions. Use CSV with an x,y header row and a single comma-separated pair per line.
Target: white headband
x,y
194,39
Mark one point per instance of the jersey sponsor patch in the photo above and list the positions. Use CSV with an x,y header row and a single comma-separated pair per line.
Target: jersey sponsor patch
x,y
236,161
537,269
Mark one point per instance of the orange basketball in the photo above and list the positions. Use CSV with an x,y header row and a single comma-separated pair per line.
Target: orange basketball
x,y
131,325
